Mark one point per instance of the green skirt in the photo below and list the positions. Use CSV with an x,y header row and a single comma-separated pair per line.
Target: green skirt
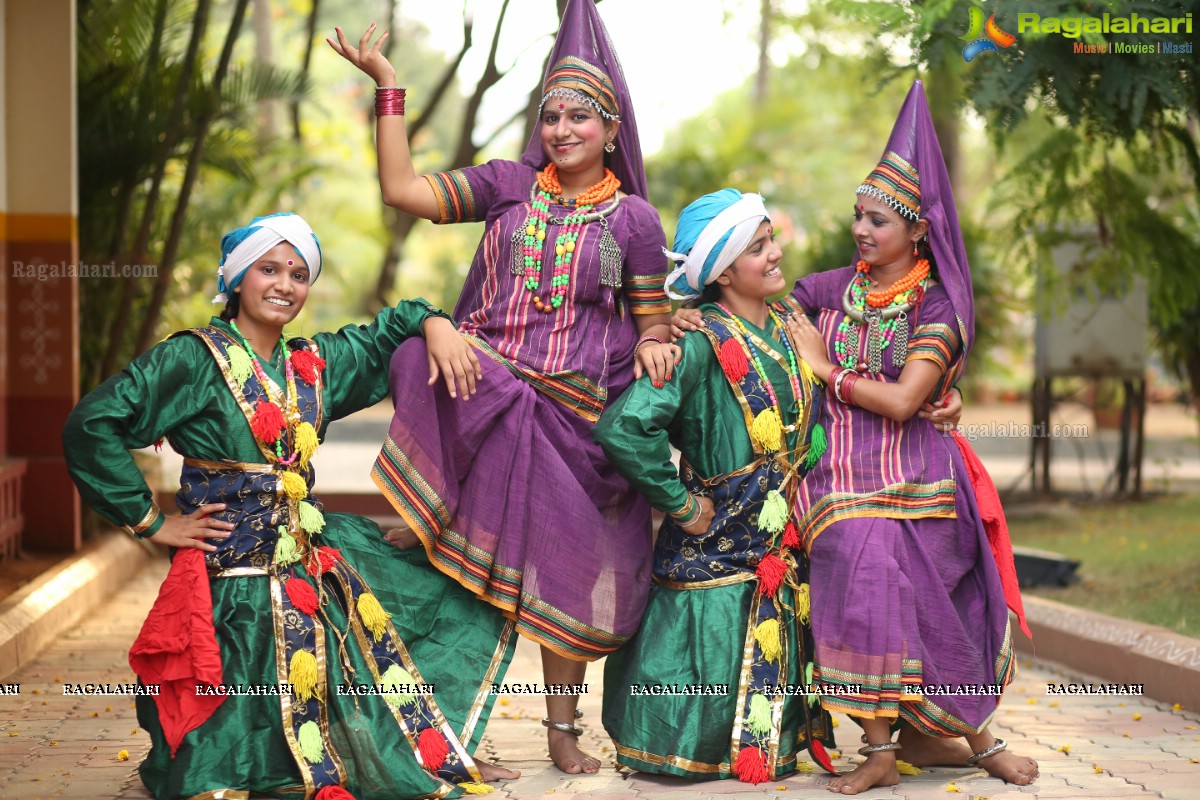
x,y
672,695
459,644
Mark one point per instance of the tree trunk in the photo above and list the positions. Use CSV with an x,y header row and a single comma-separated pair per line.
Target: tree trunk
x,y
764,44
305,65
264,54
173,131
171,249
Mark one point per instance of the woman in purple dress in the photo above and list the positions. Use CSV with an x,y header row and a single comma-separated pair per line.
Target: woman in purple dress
x,y
909,609
563,305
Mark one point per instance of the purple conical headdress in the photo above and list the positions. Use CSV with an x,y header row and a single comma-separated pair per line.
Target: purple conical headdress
x,y
584,59
913,155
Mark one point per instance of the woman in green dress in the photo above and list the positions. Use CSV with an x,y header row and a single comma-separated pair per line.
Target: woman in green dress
x,y
295,653
714,683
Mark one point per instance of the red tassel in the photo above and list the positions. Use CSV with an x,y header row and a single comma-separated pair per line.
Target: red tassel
x,y
308,365
267,422
733,359
770,574
821,756
791,536
750,766
158,443
301,593
333,793
433,748
323,559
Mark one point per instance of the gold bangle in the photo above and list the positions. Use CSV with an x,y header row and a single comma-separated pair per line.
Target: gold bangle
x,y
138,531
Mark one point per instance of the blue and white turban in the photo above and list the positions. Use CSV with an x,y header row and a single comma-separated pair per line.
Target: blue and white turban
x,y
242,247
712,232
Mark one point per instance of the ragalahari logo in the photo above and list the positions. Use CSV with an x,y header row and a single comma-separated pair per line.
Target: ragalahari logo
x,y
984,37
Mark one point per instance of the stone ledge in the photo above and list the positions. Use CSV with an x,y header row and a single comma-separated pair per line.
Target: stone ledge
x,y
1116,650
34,615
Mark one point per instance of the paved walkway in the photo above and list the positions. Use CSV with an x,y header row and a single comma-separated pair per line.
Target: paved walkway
x,y
58,746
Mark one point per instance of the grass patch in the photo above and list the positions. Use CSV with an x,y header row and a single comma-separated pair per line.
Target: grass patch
x,y
1140,561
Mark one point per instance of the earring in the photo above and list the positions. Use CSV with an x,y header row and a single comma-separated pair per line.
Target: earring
x,y
916,252
609,146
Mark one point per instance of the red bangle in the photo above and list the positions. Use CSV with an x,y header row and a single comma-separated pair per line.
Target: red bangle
x,y
389,101
851,379
833,373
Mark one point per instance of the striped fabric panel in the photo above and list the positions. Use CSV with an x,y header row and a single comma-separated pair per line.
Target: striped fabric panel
x,y
647,295
898,501
866,694
573,72
934,341
407,491
456,201
897,179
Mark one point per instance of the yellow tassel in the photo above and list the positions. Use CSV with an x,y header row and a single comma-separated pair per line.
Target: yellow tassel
x,y
240,367
392,679
476,788
303,675
806,374
311,746
373,615
905,768
305,443
311,519
294,486
804,766
286,550
767,634
758,721
803,604
767,432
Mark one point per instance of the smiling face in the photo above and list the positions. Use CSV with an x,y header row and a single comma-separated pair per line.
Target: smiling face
x,y
574,134
274,288
755,274
883,237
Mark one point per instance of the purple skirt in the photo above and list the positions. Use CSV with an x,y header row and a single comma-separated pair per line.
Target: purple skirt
x,y
513,499
909,619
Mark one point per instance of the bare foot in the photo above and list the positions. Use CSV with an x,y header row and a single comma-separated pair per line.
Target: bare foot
x,y
566,755
493,772
404,538
922,750
1010,768
878,770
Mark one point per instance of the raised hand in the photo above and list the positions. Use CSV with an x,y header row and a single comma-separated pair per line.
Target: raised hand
x,y
367,57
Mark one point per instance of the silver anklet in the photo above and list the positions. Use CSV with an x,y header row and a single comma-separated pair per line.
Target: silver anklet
x,y
999,745
565,727
878,748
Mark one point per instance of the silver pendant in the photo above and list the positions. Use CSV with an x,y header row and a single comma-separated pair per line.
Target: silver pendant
x,y
900,341
610,257
874,340
852,343
517,267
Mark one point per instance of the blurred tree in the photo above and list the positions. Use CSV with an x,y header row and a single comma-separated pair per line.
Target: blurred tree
x,y
157,109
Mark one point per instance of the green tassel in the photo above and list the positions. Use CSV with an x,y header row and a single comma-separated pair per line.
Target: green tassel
x,y
816,446
311,519
394,677
311,746
774,514
813,699
240,366
285,549
759,718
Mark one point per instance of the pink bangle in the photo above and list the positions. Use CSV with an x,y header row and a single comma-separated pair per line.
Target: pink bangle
x,y
389,101
643,340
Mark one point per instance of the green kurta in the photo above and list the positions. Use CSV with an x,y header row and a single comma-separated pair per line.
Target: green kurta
x,y
692,637
177,390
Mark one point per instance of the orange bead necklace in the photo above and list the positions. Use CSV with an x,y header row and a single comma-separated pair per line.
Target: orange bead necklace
x,y
914,278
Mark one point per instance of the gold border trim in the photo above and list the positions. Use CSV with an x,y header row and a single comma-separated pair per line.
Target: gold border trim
x,y
725,580
489,680
151,515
